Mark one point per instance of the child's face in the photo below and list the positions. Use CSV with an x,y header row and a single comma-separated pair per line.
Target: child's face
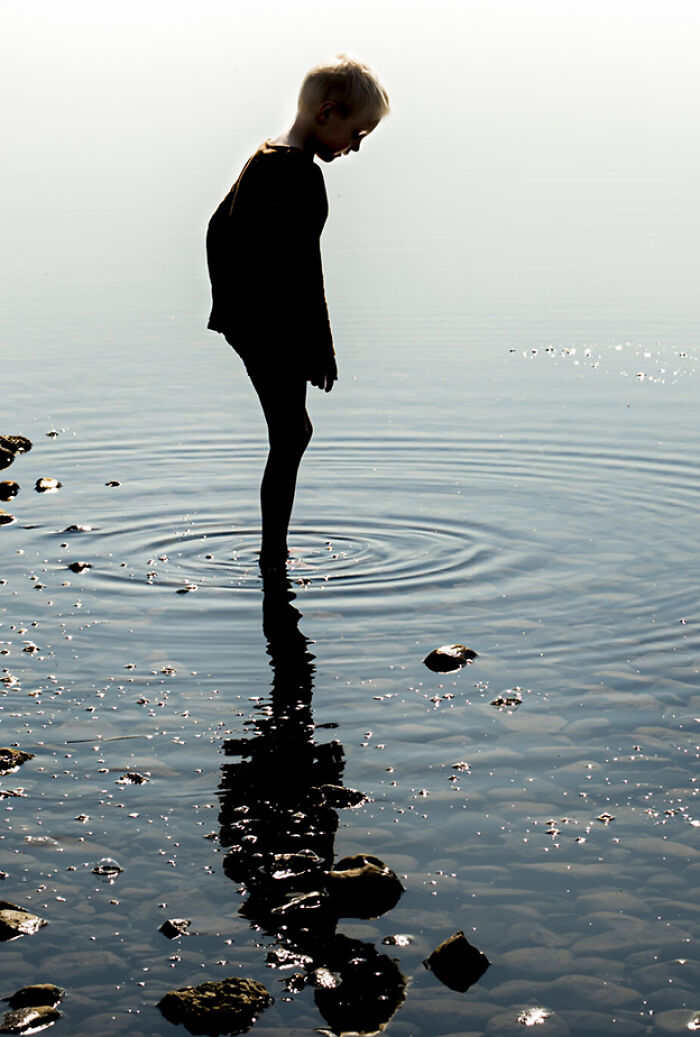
x,y
338,134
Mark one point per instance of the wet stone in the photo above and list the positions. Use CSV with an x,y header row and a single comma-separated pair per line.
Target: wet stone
x,y
12,759
112,482
5,518
29,1020
79,567
75,528
15,921
227,1006
107,867
340,798
456,963
8,489
362,886
6,458
398,940
47,485
132,778
36,994
173,928
449,657
15,444
511,698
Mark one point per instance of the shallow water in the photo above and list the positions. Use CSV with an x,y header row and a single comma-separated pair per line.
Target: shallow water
x,y
546,519
509,461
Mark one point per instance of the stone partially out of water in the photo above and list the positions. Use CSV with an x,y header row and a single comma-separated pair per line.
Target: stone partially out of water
x,y
107,867
79,567
449,657
6,518
456,963
8,489
47,485
132,778
227,1006
15,921
362,887
75,528
29,1020
6,458
15,444
175,927
36,994
511,698
12,759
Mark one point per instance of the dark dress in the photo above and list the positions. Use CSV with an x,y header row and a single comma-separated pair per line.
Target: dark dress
x,y
264,258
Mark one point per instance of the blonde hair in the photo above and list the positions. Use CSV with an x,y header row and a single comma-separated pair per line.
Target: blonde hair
x,y
351,84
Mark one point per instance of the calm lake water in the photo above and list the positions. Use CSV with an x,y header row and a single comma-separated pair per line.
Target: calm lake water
x,y
509,461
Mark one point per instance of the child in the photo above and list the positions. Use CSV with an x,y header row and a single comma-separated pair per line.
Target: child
x,y
264,257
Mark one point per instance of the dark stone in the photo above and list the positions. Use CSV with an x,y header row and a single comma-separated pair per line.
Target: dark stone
x,y
175,927
15,921
449,657
79,567
456,963
36,994
47,485
362,887
15,444
6,458
12,759
6,519
8,489
29,1020
132,778
227,1006
339,797
367,988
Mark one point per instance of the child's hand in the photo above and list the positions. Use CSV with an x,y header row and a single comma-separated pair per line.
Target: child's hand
x,y
325,374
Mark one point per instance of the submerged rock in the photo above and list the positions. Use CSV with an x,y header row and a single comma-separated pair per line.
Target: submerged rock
x,y
362,887
8,490
15,921
227,1006
47,485
29,1020
36,994
511,698
456,963
449,657
12,759
15,444
175,927
77,529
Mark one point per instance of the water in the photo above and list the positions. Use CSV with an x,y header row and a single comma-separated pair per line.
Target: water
x,y
508,461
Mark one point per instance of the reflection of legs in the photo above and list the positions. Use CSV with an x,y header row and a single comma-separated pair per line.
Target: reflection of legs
x,y
283,400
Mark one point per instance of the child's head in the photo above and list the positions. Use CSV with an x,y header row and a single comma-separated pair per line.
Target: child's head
x,y
350,84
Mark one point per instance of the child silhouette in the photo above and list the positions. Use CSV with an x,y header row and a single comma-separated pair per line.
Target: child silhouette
x,y
264,258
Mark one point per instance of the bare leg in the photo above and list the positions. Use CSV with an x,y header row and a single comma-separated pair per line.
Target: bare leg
x,y
283,400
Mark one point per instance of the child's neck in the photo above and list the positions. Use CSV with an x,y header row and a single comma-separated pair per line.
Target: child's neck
x,y
299,135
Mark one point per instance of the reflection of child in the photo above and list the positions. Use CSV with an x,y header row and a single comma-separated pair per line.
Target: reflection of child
x,y
263,251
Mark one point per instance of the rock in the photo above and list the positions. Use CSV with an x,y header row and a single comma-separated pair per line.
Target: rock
x,y
12,759
227,1006
77,529
6,518
29,1020
79,567
340,798
15,921
113,482
36,994
47,485
15,444
108,868
362,887
132,778
511,698
8,489
175,927
6,458
371,988
449,657
456,963
398,940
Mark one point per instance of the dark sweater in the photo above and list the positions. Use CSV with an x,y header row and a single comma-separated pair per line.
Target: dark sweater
x,y
264,257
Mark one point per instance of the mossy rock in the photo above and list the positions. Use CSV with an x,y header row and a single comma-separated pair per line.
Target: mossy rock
x,y
227,1006
36,994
